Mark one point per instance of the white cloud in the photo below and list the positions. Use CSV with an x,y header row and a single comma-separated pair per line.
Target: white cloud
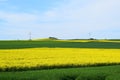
x,y
73,17
98,13
17,17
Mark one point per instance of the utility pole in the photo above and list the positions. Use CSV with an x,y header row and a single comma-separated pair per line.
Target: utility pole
x,y
90,35
30,36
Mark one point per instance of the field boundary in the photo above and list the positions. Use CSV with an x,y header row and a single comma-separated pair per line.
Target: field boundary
x,y
46,67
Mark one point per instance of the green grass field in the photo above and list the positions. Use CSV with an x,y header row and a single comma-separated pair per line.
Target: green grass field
x,y
102,71
87,73
104,44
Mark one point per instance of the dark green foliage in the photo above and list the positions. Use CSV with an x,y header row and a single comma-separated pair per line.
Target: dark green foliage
x,y
92,39
53,38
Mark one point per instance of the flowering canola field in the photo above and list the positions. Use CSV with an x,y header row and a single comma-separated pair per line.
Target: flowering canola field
x,y
32,57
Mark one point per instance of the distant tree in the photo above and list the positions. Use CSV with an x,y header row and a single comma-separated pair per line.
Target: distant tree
x,y
53,38
92,39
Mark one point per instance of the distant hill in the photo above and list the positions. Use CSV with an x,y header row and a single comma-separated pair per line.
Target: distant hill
x,y
47,39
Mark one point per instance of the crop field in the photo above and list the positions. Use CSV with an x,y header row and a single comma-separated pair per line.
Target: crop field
x,y
38,57
52,54
87,73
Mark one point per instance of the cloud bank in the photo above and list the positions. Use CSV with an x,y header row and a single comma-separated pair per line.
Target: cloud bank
x,y
71,19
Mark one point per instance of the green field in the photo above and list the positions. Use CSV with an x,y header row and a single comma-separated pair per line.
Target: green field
x,y
87,73
103,44
65,60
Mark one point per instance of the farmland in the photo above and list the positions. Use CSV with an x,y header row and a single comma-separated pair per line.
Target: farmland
x,y
34,56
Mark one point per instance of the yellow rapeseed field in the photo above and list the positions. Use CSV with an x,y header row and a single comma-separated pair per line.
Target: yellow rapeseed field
x,y
56,56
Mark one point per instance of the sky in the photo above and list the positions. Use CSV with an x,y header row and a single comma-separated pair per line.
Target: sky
x,y
64,19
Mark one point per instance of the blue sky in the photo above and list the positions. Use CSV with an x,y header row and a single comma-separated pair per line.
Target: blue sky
x,y
64,19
